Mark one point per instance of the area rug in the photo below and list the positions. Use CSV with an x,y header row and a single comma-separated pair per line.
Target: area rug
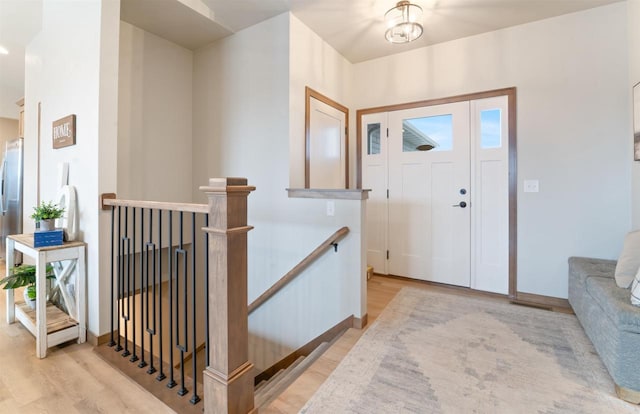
x,y
431,352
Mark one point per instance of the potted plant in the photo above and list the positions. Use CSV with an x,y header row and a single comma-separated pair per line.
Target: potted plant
x,y
45,214
25,276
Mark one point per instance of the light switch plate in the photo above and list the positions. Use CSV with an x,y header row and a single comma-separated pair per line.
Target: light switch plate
x,y
331,208
531,186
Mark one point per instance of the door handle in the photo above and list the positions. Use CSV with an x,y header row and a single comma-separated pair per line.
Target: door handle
x,y
462,204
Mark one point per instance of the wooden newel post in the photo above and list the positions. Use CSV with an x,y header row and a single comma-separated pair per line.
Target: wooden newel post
x,y
228,380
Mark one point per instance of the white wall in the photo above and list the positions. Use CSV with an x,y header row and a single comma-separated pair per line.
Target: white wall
x,y
8,107
71,68
99,322
242,124
240,118
154,118
315,64
633,25
571,75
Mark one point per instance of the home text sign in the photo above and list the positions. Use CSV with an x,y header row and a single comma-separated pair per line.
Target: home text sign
x,y
64,132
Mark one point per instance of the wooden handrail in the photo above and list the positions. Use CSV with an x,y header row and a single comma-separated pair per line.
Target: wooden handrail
x,y
158,205
297,269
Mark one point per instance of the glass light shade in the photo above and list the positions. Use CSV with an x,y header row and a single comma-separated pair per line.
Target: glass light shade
x,y
404,23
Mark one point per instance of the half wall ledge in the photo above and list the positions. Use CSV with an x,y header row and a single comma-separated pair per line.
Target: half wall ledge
x,y
329,194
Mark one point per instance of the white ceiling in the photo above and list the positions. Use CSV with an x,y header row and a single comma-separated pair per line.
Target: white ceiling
x,y
355,28
172,20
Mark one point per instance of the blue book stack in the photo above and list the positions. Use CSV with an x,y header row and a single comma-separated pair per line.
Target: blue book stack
x,y
47,238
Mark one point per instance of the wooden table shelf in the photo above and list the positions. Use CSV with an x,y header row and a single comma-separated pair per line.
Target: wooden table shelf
x,y
49,324
57,319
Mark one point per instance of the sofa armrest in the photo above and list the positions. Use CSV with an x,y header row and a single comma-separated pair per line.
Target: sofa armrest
x,y
581,268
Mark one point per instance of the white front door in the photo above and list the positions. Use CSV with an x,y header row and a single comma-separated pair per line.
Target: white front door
x,y
429,219
442,214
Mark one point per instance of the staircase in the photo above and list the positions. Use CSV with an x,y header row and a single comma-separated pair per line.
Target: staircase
x,y
267,391
178,290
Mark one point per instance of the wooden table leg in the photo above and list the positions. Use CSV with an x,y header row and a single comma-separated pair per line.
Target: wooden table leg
x,y
41,305
81,304
9,263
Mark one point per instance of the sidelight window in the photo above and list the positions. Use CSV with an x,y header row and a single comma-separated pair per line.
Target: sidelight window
x,y
490,128
373,139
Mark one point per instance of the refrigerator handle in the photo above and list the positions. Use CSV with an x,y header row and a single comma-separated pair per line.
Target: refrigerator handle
x,y
3,196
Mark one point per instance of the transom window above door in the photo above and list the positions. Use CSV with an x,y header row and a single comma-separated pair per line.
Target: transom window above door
x,y
431,133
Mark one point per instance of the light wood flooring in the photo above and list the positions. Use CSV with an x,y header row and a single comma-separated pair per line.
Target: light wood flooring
x,y
71,379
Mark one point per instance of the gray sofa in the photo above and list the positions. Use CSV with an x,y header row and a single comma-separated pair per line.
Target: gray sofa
x,y
610,321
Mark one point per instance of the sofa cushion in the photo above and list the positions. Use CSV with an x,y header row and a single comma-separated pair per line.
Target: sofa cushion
x,y
629,260
614,301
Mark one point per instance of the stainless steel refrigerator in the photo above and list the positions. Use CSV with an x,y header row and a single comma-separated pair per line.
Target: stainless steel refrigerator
x,y
12,174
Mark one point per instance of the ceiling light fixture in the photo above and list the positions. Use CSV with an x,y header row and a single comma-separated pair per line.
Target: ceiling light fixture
x,y
3,51
404,22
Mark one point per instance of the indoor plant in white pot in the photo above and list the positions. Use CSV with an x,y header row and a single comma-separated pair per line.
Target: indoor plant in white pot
x,y
25,276
46,214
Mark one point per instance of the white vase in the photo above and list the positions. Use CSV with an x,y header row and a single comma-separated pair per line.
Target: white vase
x,y
30,302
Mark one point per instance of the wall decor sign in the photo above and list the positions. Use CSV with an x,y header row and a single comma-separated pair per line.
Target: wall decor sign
x,y
636,122
64,132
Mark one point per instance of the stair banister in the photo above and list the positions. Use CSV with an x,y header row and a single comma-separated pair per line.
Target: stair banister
x,y
228,380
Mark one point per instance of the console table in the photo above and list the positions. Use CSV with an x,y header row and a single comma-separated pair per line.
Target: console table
x,y
49,324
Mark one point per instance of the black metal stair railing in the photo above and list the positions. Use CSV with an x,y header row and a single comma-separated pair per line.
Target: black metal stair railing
x,y
158,282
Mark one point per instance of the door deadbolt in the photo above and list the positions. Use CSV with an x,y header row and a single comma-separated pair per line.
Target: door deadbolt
x,y
463,191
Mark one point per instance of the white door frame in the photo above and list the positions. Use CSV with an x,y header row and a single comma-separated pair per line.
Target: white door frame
x,y
512,159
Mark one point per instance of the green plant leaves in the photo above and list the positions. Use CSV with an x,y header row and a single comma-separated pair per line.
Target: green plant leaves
x,y
31,292
24,275
46,211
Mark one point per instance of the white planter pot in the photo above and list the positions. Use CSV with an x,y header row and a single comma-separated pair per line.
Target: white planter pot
x,y
30,302
46,225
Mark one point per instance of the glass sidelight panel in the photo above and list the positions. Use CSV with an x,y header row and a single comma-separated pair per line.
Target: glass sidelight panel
x,y
433,133
373,139
490,129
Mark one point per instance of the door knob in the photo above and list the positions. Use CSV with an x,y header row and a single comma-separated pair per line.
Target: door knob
x,y
462,204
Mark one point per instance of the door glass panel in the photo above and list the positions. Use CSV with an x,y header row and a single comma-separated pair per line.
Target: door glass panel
x,y
373,139
490,130
433,133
